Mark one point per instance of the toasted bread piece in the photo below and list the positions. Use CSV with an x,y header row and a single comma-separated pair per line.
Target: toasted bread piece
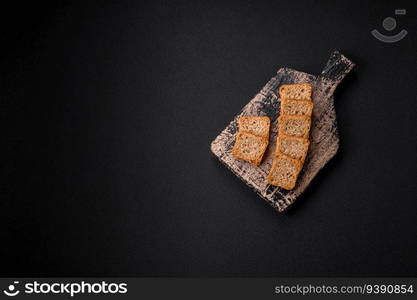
x,y
294,147
296,107
256,125
294,125
300,91
284,172
249,147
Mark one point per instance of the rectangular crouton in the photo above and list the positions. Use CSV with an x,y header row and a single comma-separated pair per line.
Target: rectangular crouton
x,y
299,91
284,172
256,125
294,125
296,107
249,147
294,147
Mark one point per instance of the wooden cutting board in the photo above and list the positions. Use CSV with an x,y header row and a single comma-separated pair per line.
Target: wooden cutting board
x,y
323,135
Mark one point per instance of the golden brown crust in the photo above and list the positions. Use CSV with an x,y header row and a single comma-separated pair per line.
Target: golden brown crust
x,y
242,119
282,87
237,147
296,163
283,118
305,141
307,102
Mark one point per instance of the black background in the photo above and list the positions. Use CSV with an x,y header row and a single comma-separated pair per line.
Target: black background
x,y
108,112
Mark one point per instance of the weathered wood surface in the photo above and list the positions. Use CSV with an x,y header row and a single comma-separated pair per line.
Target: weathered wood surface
x,y
323,135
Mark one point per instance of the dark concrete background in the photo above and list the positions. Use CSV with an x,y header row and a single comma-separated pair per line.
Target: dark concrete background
x,y
108,111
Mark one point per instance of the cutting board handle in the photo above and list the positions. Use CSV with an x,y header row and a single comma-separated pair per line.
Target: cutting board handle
x,y
337,67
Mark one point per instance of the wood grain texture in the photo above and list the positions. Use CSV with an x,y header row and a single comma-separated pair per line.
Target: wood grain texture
x,y
323,135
